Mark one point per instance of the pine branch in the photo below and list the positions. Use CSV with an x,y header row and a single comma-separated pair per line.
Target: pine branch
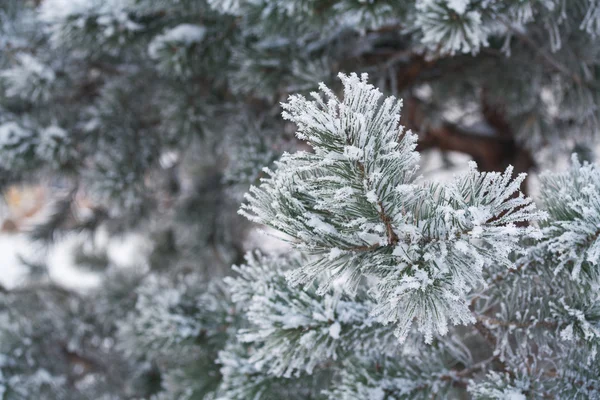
x,y
359,185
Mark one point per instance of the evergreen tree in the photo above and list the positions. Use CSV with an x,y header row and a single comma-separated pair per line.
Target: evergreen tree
x,y
160,115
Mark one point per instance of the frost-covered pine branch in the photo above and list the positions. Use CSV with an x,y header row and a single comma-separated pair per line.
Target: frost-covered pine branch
x,y
357,205
419,373
295,330
572,234
242,379
157,114
433,253
544,315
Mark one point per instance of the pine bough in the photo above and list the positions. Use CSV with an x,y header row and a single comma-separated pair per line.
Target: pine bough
x,y
386,251
358,207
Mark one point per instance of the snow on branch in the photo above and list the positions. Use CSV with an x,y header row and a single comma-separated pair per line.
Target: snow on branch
x,y
572,199
295,330
357,205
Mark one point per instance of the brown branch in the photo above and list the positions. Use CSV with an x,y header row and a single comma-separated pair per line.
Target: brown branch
x,y
491,153
500,277
392,237
493,146
364,248
387,221
486,333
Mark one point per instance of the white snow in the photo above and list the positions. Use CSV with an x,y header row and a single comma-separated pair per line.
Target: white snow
x,y
318,224
54,10
226,6
25,207
567,333
54,131
334,253
112,15
334,330
62,269
11,246
60,10
514,395
11,133
476,231
353,153
372,196
184,34
51,140
460,6
28,79
268,240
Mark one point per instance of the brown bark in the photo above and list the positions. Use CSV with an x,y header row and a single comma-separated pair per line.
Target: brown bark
x,y
491,153
493,150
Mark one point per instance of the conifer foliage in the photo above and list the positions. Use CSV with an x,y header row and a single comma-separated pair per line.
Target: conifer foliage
x,y
356,205
190,123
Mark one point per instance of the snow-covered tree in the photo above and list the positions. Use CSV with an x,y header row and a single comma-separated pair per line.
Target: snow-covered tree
x,y
156,116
